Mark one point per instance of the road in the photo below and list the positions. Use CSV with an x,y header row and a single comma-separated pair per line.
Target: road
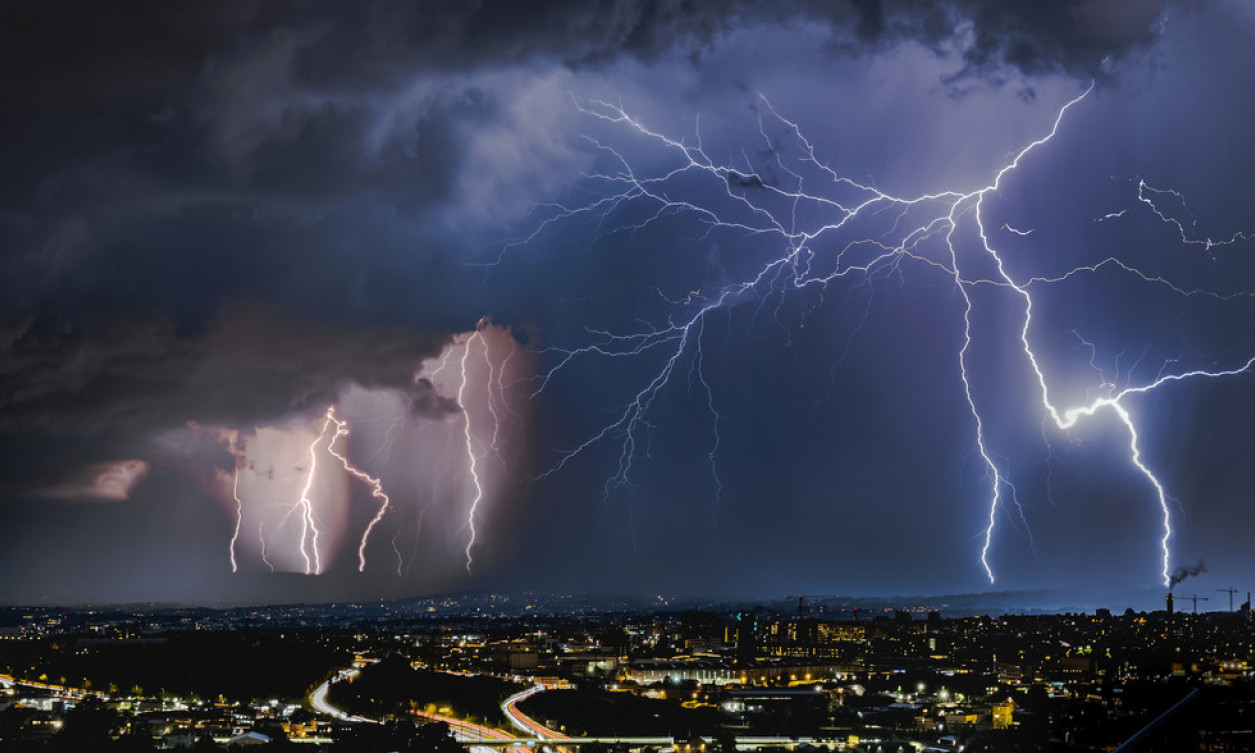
x,y
522,722
489,740
318,699
65,691
525,723
463,732
666,743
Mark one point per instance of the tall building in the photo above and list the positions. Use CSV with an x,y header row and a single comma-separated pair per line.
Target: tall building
x,y
746,637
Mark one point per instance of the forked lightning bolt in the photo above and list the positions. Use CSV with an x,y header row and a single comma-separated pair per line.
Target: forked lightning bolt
x,y
376,486
494,376
239,515
304,507
1147,195
472,458
750,204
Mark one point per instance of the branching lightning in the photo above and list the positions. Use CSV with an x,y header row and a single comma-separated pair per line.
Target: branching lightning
x,y
472,458
239,515
459,426
802,264
310,532
306,505
376,486
1147,195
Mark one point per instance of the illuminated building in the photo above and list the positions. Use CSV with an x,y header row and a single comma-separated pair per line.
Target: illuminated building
x,y
1002,714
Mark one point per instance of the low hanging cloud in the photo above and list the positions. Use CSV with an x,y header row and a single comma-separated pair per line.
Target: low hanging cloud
x,y
252,365
102,481
426,401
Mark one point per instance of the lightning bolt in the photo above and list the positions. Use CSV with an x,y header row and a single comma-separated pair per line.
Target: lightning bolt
x,y
472,459
397,550
261,535
389,437
695,368
496,402
1147,195
306,505
376,486
491,398
745,206
1069,418
239,515
328,438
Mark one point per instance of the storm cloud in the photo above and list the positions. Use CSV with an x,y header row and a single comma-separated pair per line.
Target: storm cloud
x,y
233,214
250,366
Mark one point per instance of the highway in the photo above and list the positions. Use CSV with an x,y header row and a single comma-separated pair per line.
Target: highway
x,y
523,722
318,699
476,736
543,734
487,739
64,691
743,743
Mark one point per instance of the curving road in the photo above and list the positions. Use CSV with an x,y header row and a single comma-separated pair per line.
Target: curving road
x,y
318,699
463,732
525,723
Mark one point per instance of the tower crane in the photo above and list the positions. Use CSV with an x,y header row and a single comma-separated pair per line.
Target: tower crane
x,y
1231,591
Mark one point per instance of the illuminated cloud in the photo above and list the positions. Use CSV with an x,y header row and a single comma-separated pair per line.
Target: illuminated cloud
x,y
414,477
110,481
241,215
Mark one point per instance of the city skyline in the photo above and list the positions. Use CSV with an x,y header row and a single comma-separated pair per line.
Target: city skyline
x,y
919,298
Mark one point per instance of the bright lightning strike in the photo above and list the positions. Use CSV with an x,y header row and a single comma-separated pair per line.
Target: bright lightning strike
x,y
446,448
472,458
748,204
376,486
306,505
239,516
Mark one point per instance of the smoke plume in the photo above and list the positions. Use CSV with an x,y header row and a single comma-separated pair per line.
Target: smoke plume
x,y
1183,572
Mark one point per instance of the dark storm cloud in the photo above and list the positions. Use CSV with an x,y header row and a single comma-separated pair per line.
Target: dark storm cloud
x,y
379,40
151,85
252,365
1075,37
88,59
341,161
426,401
139,132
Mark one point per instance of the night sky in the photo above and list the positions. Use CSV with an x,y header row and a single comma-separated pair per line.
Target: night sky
x,y
722,298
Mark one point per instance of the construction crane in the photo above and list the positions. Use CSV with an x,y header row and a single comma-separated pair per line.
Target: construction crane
x,y
1196,598
801,599
1231,591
